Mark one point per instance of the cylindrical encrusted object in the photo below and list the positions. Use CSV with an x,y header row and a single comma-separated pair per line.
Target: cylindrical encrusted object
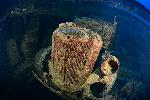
x,y
110,65
74,52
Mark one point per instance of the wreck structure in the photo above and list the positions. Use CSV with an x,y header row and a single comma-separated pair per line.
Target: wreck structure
x,y
71,59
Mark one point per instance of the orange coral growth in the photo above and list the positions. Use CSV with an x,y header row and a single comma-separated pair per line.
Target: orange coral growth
x,y
73,56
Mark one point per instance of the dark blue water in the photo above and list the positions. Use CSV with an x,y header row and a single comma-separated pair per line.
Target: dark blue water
x,y
131,44
146,3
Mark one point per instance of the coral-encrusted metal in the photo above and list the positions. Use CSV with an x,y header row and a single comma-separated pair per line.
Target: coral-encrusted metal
x,y
74,52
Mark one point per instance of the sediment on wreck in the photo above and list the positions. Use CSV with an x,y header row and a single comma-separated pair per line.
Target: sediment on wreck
x,y
103,28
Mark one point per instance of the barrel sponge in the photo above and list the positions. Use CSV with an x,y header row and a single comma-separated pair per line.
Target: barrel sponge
x,y
74,52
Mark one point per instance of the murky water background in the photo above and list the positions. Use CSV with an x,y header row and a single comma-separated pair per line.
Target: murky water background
x,y
131,44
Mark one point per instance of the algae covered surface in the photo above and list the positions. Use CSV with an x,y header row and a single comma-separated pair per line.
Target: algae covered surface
x,y
102,28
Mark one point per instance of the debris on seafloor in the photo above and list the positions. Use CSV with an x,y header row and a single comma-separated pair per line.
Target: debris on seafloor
x,y
21,54
20,67
133,90
70,61
13,53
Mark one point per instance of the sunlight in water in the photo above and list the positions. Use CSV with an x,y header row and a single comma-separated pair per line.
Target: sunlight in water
x,y
146,3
